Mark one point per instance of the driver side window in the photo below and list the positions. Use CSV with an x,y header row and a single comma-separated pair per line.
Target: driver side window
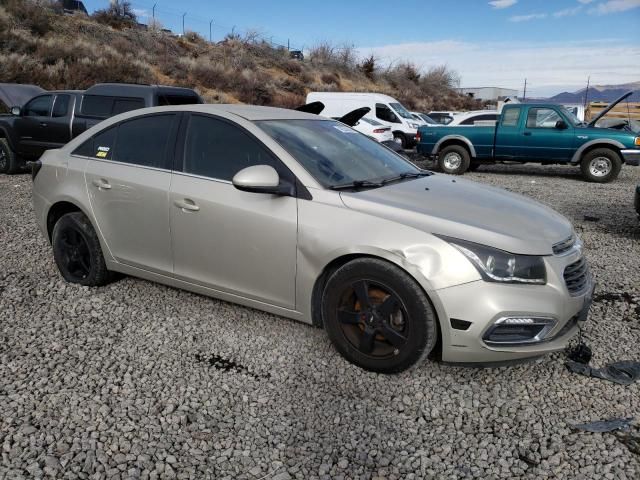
x,y
384,113
39,106
542,118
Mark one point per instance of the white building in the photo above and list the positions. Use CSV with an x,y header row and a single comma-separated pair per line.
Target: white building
x,y
489,93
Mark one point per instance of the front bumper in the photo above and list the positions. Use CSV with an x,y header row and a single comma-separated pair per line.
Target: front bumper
x,y
631,156
481,304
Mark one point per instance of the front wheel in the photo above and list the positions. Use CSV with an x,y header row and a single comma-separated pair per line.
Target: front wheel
x,y
378,317
601,165
77,251
9,162
400,139
454,160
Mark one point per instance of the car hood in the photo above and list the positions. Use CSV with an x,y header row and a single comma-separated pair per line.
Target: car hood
x,y
13,94
467,210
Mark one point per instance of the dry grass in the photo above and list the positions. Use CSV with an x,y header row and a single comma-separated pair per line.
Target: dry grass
x,y
39,45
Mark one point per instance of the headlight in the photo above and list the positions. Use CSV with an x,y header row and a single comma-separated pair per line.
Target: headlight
x,y
499,266
414,125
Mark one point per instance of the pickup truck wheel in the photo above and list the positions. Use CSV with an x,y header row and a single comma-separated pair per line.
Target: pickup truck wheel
x,y
601,165
9,162
454,160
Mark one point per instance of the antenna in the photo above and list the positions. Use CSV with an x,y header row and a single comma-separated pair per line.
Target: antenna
x,y
524,95
586,92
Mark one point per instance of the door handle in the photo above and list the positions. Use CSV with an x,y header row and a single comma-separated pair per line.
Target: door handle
x,y
527,134
187,205
102,184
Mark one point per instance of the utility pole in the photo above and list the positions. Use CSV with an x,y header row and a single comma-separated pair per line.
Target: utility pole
x,y
210,30
524,95
288,47
183,15
586,93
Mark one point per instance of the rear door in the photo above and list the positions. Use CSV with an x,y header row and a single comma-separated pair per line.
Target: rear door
x,y
58,131
236,242
128,181
542,140
32,124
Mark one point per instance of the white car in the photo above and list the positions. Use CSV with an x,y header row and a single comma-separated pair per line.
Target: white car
x,y
374,129
477,117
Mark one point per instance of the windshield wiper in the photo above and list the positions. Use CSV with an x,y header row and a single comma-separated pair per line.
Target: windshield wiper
x,y
404,175
357,184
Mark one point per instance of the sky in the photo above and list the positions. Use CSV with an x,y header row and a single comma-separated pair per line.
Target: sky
x,y
555,44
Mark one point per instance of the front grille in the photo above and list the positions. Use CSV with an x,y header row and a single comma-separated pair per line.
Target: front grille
x,y
576,276
564,246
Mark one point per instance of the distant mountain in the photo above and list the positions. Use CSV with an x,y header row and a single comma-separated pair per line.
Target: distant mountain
x,y
601,93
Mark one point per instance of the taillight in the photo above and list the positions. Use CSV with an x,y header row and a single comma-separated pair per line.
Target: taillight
x,y
381,130
418,137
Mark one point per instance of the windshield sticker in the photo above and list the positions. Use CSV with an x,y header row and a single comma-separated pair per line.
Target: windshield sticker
x,y
344,129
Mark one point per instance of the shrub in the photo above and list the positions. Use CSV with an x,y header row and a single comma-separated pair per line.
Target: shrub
x,y
368,67
118,15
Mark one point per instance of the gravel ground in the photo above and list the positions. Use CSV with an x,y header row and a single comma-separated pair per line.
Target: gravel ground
x,y
137,380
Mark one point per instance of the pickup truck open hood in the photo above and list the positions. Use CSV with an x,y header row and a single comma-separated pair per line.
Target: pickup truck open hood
x,y
466,210
606,110
16,95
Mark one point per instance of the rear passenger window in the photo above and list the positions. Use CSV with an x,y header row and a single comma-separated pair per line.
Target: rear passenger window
x,y
510,117
217,149
143,141
61,106
478,118
102,106
103,144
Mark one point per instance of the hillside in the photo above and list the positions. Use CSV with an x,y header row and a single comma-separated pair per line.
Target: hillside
x,y
599,93
41,45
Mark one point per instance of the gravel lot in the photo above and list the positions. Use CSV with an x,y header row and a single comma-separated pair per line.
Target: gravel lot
x,y
137,380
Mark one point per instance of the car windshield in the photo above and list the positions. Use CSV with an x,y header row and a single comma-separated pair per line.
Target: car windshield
x,y
571,116
403,112
335,154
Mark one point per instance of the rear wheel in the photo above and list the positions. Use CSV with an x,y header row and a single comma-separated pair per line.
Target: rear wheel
x,y
400,139
454,160
600,165
378,317
9,162
77,251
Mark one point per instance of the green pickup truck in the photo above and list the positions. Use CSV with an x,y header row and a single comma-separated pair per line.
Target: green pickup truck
x,y
542,133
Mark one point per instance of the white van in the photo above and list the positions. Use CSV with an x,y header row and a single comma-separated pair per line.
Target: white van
x,y
385,109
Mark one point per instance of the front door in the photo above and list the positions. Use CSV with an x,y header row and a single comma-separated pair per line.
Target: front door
x,y
236,242
32,124
542,139
128,181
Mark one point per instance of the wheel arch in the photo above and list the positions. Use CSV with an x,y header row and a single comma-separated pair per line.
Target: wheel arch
x,y
57,210
336,263
5,135
587,147
458,140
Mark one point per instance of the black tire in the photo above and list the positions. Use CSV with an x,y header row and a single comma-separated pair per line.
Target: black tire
x,y
473,166
601,165
400,139
9,162
77,252
454,160
396,328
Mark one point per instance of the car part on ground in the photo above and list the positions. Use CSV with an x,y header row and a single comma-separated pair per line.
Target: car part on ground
x,y
280,178
623,372
601,426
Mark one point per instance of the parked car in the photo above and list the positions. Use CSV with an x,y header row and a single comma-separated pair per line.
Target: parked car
x,y
384,109
416,116
301,216
443,118
296,55
477,117
542,133
51,119
374,129
426,118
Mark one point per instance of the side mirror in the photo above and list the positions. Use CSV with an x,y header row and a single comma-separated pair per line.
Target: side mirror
x,y
561,125
261,179
15,111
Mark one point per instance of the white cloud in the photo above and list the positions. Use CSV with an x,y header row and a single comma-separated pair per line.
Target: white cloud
x,y
614,6
140,12
526,18
502,3
568,12
548,67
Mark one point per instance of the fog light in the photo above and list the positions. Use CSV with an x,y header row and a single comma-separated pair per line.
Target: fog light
x,y
519,330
